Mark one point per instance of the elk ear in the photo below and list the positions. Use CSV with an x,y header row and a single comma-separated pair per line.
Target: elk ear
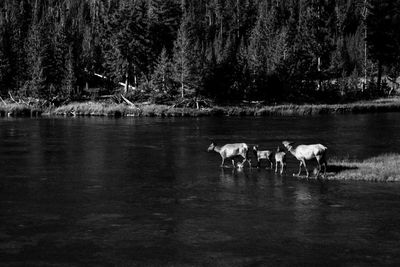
x,y
287,143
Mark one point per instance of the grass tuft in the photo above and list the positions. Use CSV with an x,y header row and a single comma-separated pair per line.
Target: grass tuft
x,y
383,168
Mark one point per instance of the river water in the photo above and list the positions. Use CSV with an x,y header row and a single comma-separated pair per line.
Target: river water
x,y
144,191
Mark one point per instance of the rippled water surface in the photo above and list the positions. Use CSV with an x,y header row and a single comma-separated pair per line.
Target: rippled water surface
x,y
126,192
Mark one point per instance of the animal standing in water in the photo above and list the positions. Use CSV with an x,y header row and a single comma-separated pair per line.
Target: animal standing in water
x,y
308,152
280,158
263,154
230,151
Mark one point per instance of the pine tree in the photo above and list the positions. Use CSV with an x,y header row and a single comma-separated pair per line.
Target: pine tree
x,y
267,46
181,61
162,76
4,70
61,51
9,52
164,21
22,22
69,81
127,51
383,35
5,64
42,65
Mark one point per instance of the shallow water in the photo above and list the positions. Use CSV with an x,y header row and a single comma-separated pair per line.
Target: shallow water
x,y
123,192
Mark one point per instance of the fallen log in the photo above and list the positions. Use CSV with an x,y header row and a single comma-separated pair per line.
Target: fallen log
x,y
127,101
11,97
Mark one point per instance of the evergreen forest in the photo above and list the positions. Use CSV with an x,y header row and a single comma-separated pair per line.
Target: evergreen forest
x,y
228,51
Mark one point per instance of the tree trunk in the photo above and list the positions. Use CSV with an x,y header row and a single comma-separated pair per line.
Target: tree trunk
x,y
365,15
126,84
238,19
319,73
182,90
134,78
379,81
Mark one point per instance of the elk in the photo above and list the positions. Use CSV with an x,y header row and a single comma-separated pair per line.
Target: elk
x,y
308,152
280,158
263,154
230,151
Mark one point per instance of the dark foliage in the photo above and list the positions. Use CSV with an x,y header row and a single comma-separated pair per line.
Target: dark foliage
x,y
229,51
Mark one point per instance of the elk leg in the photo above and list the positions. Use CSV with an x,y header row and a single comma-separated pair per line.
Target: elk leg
x,y
276,167
319,169
301,163
244,160
305,167
233,163
223,161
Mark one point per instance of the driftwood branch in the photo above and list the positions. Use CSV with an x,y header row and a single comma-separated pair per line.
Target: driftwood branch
x,y
127,101
4,102
11,97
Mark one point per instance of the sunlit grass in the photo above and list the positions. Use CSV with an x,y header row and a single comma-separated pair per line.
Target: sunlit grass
x,y
383,168
93,108
107,109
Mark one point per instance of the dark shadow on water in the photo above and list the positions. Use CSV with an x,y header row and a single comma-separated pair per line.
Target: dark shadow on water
x,y
339,168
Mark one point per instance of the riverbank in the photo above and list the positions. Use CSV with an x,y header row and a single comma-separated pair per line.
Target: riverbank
x,y
383,168
19,110
152,110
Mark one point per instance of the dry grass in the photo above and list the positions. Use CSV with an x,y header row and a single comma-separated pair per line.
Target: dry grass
x,y
117,110
383,168
94,109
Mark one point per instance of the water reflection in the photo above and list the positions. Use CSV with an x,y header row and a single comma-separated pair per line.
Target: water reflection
x,y
103,191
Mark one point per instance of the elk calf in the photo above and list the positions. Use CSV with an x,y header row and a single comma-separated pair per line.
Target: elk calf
x,y
280,158
263,154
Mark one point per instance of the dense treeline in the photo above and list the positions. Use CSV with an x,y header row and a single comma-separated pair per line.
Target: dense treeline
x,y
227,50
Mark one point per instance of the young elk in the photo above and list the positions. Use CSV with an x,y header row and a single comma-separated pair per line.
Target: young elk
x,y
308,152
262,154
230,151
280,158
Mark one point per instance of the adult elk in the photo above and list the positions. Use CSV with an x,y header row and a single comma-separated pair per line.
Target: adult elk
x,y
230,151
308,152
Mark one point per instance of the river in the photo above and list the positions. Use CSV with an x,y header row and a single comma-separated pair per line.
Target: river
x,y
144,191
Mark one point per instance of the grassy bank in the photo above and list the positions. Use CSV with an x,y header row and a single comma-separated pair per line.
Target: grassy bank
x,y
19,110
101,109
118,110
383,168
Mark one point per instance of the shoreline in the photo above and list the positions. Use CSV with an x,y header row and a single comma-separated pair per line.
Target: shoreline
x,y
151,110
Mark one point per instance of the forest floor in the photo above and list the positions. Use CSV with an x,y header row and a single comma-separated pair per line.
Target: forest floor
x,y
383,168
97,108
